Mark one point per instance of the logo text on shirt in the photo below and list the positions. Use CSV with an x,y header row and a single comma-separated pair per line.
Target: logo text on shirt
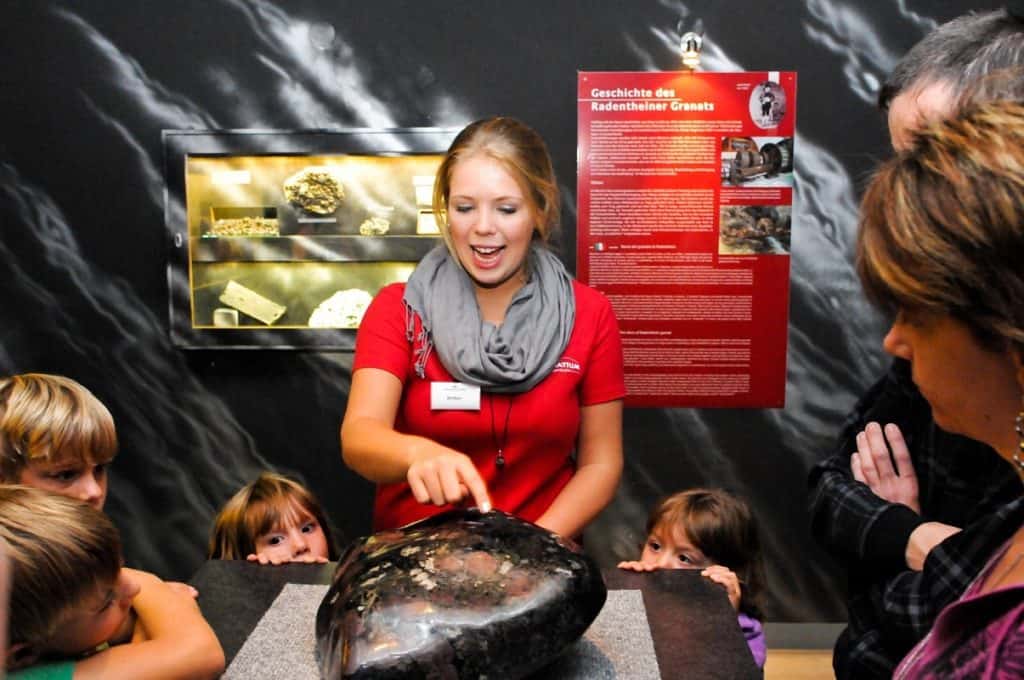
x,y
567,365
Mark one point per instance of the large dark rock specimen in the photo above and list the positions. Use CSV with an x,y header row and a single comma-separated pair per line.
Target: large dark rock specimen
x,y
460,595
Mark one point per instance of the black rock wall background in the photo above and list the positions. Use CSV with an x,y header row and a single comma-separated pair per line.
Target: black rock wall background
x,y
87,87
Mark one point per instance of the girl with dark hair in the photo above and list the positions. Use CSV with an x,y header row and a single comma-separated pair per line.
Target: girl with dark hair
x,y
714,531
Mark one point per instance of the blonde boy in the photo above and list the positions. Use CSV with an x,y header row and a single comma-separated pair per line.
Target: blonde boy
x,y
55,435
74,608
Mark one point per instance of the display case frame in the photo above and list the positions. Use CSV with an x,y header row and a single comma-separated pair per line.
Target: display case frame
x,y
295,245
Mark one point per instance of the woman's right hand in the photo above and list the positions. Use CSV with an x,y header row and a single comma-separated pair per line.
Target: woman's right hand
x,y
446,476
372,447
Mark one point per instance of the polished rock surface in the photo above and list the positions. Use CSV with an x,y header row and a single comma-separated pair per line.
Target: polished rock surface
x,y
463,594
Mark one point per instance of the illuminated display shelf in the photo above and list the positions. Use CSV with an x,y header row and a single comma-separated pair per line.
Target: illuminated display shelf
x,y
340,248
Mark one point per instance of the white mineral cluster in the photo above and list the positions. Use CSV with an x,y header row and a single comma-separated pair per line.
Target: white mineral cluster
x,y
344,309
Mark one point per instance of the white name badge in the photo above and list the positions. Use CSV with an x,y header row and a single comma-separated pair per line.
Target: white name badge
x,y
454,396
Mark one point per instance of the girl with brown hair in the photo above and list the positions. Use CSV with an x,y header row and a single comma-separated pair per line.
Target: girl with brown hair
x,y
714,531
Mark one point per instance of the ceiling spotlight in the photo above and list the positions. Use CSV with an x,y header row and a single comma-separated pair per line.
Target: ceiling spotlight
x,y
689,47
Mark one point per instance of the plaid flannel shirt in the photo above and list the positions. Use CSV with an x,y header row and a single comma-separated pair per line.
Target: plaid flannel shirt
x,y
960,482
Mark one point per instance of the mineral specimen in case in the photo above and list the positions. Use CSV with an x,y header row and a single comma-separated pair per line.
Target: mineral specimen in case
x,y
463,594
317,190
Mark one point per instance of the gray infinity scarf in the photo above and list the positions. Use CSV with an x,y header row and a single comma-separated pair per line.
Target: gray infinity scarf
x,y
510,358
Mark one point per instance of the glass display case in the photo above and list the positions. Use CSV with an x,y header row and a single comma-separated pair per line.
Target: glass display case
x,y
281,239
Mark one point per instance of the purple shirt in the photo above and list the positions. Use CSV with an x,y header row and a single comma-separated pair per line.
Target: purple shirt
x,y
754,634
979,636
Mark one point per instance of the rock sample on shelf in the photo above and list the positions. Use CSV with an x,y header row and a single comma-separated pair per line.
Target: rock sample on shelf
x,y
344,309
316,190
245,226
463,594
374,226
252,303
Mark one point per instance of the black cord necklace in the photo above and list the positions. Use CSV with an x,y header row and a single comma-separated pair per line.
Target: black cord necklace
x,y
499,446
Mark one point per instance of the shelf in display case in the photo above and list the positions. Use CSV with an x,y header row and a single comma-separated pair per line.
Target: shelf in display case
x,y
278,239
311,248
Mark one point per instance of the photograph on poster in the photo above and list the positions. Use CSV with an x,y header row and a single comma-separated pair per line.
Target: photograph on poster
x,y
767,104
754,230
757,161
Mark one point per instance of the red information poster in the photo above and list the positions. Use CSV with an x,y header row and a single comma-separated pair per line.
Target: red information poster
x,y
684,222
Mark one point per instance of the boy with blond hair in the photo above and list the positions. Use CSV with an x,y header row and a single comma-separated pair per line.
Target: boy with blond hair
x,y
76,612
55,435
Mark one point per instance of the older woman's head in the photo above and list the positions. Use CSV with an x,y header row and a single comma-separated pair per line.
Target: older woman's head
x,y
941,245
